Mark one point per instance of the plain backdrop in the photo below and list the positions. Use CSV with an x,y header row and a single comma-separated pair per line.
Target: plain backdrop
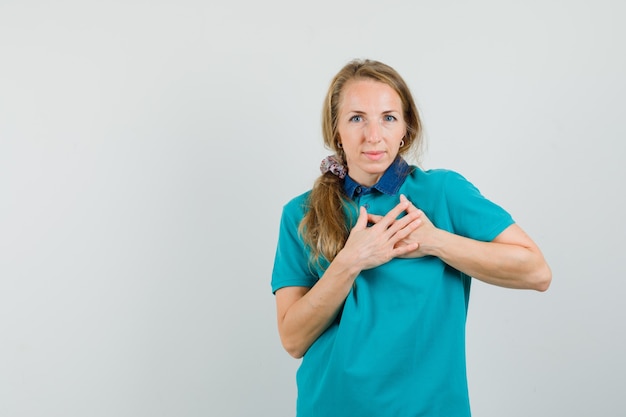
x,y
147,148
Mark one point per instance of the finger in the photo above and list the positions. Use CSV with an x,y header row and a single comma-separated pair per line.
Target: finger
x,y
403,228
411,206
361,222
412,209
391,216
411,220
374,218
401,250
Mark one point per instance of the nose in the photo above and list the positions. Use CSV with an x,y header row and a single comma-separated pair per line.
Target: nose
x,y
373,132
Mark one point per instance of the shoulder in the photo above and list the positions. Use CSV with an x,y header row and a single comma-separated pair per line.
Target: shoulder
x,y
297,203
437,177
437,188
295,209
455,204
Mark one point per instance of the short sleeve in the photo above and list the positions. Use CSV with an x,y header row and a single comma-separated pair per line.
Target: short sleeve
x,y
472,215
291,263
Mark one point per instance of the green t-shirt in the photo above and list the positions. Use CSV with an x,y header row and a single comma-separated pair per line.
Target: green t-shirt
x,y
398,346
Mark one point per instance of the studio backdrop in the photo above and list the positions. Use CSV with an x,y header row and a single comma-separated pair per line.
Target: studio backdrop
x,y
147,149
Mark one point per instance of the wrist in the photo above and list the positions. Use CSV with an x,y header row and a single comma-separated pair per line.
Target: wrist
x,y
436,245
346,263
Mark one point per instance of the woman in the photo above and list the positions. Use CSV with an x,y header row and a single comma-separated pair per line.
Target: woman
x,y
373,265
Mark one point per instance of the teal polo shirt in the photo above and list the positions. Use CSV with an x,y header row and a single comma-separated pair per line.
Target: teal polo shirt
x,y
398,346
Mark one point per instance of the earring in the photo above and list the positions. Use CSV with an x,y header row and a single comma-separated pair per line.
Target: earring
x,y
402,143
339,145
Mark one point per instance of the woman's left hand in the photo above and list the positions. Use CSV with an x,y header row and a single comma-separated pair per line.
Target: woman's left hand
x,y
425,235
510,260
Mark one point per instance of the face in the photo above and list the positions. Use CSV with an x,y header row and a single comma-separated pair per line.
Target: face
x,y
371,126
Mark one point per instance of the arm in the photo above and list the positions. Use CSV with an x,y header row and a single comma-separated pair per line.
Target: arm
x,y
511,260
303,314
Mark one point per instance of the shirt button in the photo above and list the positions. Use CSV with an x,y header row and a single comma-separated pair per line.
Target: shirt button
x,y
358,190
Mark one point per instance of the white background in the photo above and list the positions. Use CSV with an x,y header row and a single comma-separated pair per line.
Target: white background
x,y
147,147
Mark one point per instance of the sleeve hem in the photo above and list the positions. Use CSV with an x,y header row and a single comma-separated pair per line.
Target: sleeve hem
x,y
291,283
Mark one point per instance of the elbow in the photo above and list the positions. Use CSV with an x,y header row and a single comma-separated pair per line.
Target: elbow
x,y
294,349
293,344
296,354
542,286
542,279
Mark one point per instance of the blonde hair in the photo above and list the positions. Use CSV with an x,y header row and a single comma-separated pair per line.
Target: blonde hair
x,y
326,226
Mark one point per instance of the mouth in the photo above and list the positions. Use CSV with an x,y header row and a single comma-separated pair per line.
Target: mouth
x,y
374,155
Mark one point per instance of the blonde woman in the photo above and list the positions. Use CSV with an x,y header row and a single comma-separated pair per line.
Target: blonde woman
x,y
374,264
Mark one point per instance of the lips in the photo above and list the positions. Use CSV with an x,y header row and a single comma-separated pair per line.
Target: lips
x,y
374,155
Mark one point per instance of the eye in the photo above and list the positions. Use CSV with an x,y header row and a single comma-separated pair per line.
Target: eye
x,y
356,118
389,118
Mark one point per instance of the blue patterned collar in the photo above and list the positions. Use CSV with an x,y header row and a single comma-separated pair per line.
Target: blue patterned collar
x,y
388,184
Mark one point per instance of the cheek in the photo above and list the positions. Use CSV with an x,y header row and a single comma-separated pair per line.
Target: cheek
x,y
351,156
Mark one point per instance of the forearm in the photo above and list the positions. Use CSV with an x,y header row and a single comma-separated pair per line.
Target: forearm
x,y
308,317
304,314
506,264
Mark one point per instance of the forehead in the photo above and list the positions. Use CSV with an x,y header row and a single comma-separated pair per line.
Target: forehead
x,y
365,94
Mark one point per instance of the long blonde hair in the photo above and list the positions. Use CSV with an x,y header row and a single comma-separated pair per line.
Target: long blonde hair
x,y
326,226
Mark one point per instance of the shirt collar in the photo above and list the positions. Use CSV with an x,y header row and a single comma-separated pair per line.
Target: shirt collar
x,y
388,184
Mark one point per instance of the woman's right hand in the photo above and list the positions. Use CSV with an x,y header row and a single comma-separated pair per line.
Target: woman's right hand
x,y
305,313
371,246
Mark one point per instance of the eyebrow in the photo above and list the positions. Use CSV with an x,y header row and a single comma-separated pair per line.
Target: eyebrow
x,y
383,112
